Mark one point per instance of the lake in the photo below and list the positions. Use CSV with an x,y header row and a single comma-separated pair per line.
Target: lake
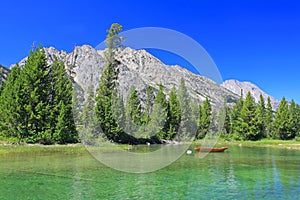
x,y
238,173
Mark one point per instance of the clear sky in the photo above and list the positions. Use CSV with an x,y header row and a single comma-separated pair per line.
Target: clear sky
x,y
249,40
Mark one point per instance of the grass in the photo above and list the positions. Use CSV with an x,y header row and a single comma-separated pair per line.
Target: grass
x,y
283,144
27,148
6,146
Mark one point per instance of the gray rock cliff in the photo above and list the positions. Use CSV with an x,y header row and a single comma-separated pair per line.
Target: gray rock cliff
x,y
236,87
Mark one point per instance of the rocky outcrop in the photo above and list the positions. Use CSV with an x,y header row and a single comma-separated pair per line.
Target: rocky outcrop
x,y
236,87
3,73
138,68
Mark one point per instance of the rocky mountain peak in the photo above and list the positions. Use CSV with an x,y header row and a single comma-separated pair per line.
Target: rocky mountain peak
x,y
236,86
138,68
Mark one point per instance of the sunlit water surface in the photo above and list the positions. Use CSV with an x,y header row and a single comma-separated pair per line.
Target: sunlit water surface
x,y
238,173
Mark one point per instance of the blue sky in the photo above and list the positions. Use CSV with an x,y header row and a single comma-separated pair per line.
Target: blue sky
x,y
248,40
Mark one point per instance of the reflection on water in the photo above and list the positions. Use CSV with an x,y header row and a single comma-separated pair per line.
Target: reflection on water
x,y
239,173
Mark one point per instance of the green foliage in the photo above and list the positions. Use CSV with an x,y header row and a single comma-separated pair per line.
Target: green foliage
x,y
160,113
89,126
224,119
234,119
269,118
133,107
65,131
149,104
35,99
281,127
187,125
174,115
10,104
106,88
204,120
293,120
247,122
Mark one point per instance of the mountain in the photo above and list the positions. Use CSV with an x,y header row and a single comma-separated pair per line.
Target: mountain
x,y
3,76
236,87
3,73
138,68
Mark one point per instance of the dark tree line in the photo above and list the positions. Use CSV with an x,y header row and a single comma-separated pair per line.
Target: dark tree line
x,y
36,102
247,120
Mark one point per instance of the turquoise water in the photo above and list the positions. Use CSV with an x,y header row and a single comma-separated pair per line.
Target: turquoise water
x,y
238,173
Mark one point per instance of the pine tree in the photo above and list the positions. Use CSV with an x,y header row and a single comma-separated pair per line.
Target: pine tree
x,y
65,131
149,104
133,114
89,127
161,115
61,99
174,118
269,119
107,86
35,80
157,122
204,119
224,119
298,120
248,125
260,117
133,107
281,121
119,110
187,128
292,121
10,106
234,119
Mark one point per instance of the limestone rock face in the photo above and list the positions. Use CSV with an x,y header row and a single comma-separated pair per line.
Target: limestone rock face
x,y
138,68
236,87
3,73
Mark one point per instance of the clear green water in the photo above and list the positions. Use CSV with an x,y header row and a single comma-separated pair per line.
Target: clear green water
x,y
239,173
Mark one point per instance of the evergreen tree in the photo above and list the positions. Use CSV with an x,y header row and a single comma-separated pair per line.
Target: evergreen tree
x,y
234,119
65,131
269,119
293,122
149,104
133,107
61,99
298,120
36,82
187,128
119,110
260,117
281,127
174,119
107,86
77,99
224,119
157,122
89,130
12,111
204,119
247,122
161,115
34,99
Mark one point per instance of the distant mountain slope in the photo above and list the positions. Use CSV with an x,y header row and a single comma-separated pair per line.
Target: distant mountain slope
x,y
138,68
236,87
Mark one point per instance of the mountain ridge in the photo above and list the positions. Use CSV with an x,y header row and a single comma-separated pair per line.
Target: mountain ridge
x,y
246,86
140,68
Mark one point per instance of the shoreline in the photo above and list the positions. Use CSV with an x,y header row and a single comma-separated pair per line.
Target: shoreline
x,y
8,147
